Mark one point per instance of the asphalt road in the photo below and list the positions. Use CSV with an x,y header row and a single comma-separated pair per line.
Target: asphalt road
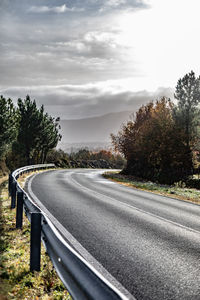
x,y
149,243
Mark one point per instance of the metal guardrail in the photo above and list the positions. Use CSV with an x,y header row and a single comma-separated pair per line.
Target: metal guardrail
x,y
81,279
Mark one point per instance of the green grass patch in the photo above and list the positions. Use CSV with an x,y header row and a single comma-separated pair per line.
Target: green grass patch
x,y
16,280
177,191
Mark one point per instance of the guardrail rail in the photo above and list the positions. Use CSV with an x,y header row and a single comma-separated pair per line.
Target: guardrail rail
x,y
81,279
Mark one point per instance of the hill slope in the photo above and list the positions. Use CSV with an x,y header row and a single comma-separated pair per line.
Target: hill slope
x,y
94,130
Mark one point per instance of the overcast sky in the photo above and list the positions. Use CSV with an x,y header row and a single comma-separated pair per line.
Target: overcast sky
x,y
84,58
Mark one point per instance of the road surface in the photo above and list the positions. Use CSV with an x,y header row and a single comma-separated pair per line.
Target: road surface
x,y
149,243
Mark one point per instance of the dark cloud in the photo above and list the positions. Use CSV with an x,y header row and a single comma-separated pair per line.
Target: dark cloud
x,y
65,6
54,50
50,50
50,56
98,6
69,101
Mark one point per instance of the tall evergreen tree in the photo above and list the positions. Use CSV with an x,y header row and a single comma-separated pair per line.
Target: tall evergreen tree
x,y
37,133
7,124
49,137
187,113
30,119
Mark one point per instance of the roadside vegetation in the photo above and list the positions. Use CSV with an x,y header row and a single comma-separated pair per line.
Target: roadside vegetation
x,y
85,158
177,191
162,143
16,280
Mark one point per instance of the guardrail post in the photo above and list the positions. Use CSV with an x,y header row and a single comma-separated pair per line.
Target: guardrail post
x,y
13,194
10,180
19,211
35,249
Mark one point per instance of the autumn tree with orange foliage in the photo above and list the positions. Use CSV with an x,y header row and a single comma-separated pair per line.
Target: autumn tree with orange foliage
x,y
153,145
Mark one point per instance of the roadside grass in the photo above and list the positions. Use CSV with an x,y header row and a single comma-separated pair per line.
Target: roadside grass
x,y
177,191
16,280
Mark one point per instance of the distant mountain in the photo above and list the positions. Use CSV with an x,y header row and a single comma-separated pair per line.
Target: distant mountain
x,y
91,131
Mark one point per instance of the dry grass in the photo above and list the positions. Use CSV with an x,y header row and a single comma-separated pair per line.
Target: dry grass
x,y
176,191
2,179
16,280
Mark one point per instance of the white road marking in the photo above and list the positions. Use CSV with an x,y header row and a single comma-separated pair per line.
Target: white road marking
x,y
131,206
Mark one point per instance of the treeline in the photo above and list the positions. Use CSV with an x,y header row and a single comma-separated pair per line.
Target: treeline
x,y
162,143
27,133
86,159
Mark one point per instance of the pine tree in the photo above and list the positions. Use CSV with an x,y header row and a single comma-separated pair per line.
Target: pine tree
x,y
37,132
7,124
49,137
186,113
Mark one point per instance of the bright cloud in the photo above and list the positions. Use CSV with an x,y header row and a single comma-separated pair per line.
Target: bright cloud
x,y
56,9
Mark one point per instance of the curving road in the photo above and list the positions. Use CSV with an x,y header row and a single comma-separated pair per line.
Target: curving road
x,y
149,243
